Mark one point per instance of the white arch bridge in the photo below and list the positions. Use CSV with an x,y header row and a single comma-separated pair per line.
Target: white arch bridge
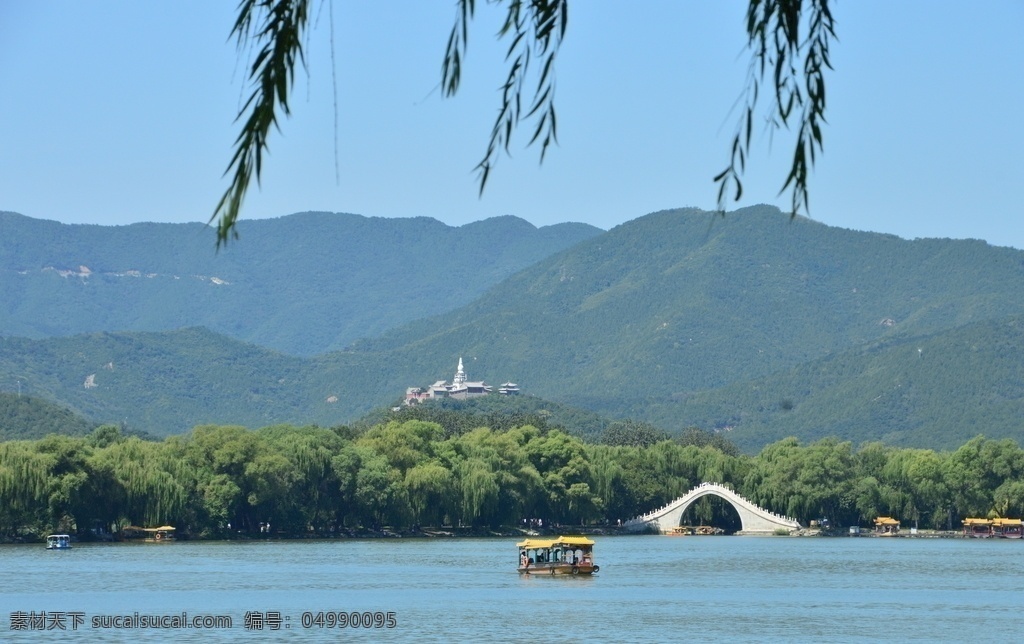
x,y
754,519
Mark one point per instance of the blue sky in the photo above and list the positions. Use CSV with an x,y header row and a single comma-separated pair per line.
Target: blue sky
x,y
118,111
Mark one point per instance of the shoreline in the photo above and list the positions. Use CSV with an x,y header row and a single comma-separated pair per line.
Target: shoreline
x,y
484,533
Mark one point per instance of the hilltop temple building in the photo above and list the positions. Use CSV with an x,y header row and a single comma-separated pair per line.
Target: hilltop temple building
x,y
460,388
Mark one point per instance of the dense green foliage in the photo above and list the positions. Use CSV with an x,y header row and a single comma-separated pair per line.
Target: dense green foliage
x,y
28,417
349,276
751,325
501,413
225,479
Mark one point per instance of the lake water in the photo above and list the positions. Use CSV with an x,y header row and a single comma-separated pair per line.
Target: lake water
x,y
650,588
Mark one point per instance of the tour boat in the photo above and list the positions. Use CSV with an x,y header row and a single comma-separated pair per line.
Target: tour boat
x,y
58,542
978,528
887,526
1008,528
163,533
561,556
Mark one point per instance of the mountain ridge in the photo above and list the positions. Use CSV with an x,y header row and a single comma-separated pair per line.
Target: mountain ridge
x,y
670,318
348,275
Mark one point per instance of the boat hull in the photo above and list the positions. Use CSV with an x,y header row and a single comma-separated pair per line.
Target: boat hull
x,y
550,569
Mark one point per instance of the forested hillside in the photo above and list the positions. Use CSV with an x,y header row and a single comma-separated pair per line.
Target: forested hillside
x,y
752,324
679,301
24,417
301,284
933,390
164,383
649,320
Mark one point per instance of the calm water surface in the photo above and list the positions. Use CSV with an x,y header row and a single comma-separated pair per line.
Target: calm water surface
x,y
649,588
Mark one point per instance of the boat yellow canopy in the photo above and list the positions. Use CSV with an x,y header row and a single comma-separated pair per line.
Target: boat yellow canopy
x,y
575,541
1007,522
976,521
550,543
536,543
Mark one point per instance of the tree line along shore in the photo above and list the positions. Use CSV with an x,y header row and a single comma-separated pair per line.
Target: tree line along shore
x,y
414,477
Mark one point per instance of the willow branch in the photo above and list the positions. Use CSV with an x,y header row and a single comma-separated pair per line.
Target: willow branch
x,y
274,30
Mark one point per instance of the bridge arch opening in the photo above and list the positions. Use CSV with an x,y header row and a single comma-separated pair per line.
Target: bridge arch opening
x,y
754,519
712,510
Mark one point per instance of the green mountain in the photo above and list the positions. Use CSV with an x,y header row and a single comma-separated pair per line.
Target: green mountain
x,y
302,284
936,390
29,418
752,323
163,382
684,301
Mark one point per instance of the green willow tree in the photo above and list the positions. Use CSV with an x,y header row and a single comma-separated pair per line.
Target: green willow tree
x,y
24,479
789,41
315,481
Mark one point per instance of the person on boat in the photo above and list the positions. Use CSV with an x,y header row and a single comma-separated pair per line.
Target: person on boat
x,y
524,561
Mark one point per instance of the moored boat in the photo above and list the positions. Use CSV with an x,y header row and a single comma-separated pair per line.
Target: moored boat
x,y
561,556
58,542
163,533
691,530
887,526
1008,528
977,528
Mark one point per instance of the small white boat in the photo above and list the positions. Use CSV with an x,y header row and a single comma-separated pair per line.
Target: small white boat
x,y
58,542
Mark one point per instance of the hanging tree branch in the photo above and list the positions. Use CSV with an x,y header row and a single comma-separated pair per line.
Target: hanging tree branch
x,y
773,28
536,29
274,28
